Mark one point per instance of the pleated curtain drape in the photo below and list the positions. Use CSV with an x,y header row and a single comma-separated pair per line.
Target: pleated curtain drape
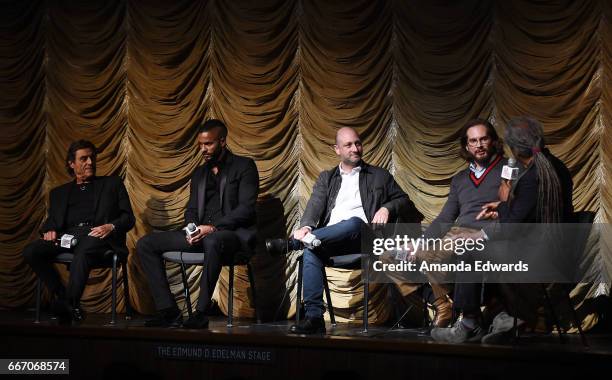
x,y
137,77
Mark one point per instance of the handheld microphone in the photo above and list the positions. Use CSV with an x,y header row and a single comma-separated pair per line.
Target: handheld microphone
x,y
510,171
67,241
311,241
191,230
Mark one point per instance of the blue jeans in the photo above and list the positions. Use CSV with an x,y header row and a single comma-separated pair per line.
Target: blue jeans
x,y
343,238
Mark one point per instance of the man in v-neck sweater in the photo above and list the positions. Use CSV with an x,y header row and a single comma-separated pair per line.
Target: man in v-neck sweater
x,y
470,189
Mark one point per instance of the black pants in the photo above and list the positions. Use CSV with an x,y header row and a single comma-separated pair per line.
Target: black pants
x,y
88,253
472,289
219,248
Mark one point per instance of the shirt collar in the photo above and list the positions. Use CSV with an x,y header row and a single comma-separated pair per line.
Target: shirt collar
x,y
476,170
356,169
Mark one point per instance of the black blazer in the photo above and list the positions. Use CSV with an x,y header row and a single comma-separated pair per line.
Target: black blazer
x,y
524,198
112,205
522,208
377,188
239,187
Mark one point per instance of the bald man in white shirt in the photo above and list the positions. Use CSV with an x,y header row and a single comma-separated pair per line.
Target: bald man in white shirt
x,y
343,200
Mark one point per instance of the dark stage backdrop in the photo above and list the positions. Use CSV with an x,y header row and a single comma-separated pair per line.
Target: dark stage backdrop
x,y
137,77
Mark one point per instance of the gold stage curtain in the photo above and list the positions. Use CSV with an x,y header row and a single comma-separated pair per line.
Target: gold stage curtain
x,y
137,77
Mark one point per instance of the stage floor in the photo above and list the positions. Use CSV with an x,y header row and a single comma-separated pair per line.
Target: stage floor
x,y
248,350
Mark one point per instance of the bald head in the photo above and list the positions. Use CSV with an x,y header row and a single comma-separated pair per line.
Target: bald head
x,y
346,133
348,147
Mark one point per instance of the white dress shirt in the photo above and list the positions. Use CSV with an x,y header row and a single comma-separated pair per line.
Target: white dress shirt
x,y
348,201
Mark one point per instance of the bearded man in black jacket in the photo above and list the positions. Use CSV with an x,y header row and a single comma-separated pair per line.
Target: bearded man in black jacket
x,y
222,205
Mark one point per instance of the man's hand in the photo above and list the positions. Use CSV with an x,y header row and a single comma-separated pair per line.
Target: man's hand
x,y
203,230
50,236
300,233
101,231
464,235
381,216
489,211
409,252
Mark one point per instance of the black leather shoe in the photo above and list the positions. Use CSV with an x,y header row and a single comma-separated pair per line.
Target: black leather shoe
x,y
197,321
166,318
279,247
309,326
61,311
77,315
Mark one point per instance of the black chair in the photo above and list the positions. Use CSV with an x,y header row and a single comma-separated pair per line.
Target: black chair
x,y
111,260
580,241
197,258
409,214
353,261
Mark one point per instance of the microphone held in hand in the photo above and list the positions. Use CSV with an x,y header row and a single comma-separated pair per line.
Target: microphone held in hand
x,y
284,246
510,171
191,230
311,241
67,241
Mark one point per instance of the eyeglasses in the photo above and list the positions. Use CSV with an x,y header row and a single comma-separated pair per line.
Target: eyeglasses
x,y
481,141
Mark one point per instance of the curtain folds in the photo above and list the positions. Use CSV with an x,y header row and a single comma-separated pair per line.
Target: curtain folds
x,y
137,77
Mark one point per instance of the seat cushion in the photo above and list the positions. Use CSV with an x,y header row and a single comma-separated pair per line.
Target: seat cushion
x,y
197,258
64,257
352,261
67,257
190,258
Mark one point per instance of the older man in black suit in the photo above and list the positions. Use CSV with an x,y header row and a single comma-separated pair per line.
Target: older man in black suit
x,y
222,206
97,211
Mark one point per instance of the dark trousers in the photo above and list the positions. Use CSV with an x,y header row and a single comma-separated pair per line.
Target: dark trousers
x,y
88,253
218,247
467,298
472,289
339,239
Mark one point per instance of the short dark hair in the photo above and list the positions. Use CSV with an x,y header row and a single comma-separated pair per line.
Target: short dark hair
x,y
72,149
497,144
211,124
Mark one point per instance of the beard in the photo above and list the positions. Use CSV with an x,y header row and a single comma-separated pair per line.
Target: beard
x,y
215,157
352,161
490,152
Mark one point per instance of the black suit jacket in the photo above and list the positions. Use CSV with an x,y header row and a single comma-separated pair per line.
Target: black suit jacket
x,y
239,187
377,188
112,205
523,206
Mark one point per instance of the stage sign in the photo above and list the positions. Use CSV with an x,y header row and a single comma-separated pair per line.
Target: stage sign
x,y
216,353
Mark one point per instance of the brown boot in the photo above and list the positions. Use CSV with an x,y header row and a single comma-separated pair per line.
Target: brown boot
x,y
444,312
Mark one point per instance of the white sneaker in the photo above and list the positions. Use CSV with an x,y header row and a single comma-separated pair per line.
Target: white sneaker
x,y
502,329
458,333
